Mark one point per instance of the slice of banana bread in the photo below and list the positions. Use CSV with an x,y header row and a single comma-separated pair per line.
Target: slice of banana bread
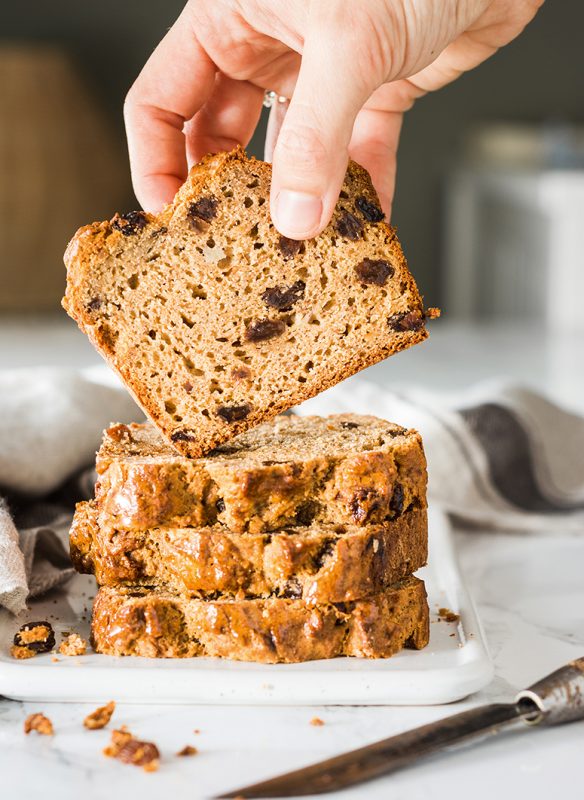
x,y
157,624
343,469
331,563
215,322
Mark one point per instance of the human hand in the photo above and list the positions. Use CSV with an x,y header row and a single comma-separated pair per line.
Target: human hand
x,y
350,68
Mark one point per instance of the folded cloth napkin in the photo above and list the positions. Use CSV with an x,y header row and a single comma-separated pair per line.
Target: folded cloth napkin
x,y
499,456
51,422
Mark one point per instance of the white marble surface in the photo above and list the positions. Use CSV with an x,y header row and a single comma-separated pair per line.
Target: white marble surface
x,y
529,592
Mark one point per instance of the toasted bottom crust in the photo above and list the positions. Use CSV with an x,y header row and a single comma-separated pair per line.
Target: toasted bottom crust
x,y
161,625
319,564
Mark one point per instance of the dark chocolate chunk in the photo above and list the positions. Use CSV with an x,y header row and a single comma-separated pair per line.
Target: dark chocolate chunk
x,y
349,425
363,503
36,636
263,329
289,247
324,551
370,211
306,512
349,226
233,413
406,321
94,304
131,223
396,503
183,436
374,271
220,505
283,298
204,209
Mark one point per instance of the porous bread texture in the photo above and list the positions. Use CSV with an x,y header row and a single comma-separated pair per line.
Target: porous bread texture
x,y
342,469
215,322
156,624
331,563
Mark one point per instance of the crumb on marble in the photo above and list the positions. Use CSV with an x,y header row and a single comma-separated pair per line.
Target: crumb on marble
x,y
129,750
100,717
39,723
317,722
188,750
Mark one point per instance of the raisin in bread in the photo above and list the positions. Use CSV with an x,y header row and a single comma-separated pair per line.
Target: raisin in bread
x,y
343,469
215,322
330,563
140,622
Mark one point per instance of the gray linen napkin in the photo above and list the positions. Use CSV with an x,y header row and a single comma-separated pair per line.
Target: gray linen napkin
x,y
51,422
499,455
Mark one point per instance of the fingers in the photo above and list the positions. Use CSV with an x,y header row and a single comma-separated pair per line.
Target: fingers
x,y
376,132
311,153
374,146
174,84
228,118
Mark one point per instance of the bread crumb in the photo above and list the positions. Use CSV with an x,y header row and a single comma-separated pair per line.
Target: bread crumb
x,y
188,750
129,750
73,645
197,730
447,615
100,717
317,722
16,651
38,723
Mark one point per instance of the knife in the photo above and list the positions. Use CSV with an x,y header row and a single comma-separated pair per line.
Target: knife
x,y
555,699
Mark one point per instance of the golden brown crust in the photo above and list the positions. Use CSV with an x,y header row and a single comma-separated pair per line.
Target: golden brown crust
x,y
320,564
129,289
344,469
162,625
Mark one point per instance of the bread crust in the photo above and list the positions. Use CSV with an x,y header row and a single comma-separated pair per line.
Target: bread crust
x,y
107,261
273,630
328,564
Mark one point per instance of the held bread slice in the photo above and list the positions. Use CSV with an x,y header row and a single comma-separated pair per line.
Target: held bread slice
x,y
343,469
330,563
215,322
139,622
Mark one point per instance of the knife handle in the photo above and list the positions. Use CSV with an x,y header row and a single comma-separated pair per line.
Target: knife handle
x,y
557,698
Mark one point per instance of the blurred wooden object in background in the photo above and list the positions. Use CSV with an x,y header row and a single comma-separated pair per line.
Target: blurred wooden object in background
x,y
61,166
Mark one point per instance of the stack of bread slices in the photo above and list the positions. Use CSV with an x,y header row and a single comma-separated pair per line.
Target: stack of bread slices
x,y
296,540
221,528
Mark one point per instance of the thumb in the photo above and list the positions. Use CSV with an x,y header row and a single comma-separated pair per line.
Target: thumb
x,y
311,154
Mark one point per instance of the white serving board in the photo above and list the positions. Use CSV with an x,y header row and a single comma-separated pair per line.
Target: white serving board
x,y
450,668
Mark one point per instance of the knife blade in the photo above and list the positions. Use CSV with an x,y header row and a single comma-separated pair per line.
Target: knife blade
x,y
556,699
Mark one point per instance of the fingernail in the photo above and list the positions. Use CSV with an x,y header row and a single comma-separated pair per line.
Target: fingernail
x,y
297,214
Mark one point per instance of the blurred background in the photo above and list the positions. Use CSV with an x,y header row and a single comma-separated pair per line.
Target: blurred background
x,y
490,193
